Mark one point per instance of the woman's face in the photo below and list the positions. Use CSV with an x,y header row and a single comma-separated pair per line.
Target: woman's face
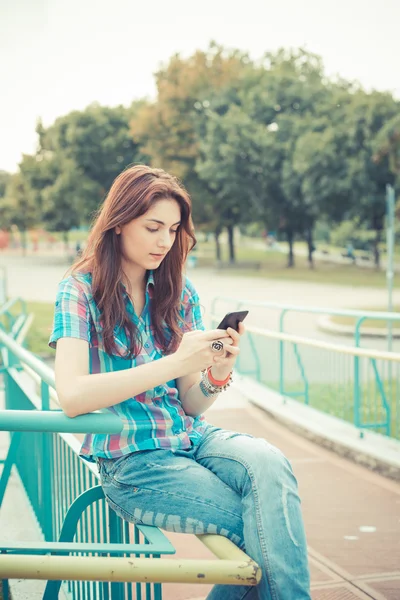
x,y
146,240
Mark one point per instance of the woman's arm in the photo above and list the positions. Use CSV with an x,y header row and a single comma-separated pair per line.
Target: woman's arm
x,y
194,402
80,392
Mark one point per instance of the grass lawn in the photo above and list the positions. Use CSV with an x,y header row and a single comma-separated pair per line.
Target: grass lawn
x,y
337,400
273,266
273,263
369,322
39,333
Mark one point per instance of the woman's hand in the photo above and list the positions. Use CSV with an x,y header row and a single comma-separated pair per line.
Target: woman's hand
x,y
195,352
223,364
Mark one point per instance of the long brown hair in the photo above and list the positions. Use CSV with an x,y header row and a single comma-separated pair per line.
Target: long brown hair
x,y
132,194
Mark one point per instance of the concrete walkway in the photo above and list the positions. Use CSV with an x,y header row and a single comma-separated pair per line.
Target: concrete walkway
x,y
352,516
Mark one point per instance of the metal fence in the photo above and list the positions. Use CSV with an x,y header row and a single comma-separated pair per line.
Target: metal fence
x,y
355,384
70,508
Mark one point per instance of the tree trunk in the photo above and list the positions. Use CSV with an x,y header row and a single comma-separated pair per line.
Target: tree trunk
x,y
310,246
377,254
290,239
217,233
231,244
65,238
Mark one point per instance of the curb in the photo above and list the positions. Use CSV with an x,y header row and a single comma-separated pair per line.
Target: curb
x,y
326,324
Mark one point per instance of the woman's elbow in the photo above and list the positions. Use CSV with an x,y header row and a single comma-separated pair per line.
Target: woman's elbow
x,y
69,405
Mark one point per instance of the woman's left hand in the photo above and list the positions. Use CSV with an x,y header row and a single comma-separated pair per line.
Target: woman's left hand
x,y
223,364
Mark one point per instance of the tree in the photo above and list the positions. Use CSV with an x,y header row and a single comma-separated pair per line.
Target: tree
x,y
20,205
5,213
168,129
238,160
88,149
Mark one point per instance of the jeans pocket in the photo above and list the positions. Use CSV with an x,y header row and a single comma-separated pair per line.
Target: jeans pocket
x,y
109,467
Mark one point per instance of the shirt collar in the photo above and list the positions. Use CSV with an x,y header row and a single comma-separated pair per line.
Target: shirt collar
x,y
150,281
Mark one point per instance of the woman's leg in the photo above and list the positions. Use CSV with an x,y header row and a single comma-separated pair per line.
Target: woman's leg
x,y
174,492
272,521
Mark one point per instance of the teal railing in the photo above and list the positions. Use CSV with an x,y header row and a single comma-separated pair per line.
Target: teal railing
x,y
13,315
355,384
69,506
62,489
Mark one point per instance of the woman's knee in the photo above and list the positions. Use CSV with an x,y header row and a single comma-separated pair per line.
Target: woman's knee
x,y
265,458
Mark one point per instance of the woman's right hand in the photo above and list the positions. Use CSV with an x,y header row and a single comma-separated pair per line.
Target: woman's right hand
x,y
195,352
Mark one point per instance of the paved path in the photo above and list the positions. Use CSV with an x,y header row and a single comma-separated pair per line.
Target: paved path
x,y
36,278
352,516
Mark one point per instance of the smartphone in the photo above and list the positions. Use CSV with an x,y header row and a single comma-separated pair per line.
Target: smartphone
x,y
233,319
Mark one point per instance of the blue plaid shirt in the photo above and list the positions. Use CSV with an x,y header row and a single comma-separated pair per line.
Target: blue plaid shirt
x,y
154,418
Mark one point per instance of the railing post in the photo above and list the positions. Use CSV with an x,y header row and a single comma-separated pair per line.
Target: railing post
x,y
47,470
114,524
357,390
282,354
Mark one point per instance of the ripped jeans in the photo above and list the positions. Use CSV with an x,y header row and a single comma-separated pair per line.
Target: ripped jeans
x,y
232,484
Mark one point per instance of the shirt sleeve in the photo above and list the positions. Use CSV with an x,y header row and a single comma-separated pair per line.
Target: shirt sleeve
x,y
193,319
71,312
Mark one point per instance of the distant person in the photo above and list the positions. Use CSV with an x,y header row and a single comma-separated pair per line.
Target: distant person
x,y
350,252
130,339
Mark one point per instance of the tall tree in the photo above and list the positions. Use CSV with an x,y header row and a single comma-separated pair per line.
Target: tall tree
x,y
167,129
95,143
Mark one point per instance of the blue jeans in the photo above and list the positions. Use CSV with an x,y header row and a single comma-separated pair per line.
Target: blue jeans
x,y
232,484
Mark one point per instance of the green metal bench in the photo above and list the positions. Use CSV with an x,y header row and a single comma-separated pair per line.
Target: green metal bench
x,y
85,543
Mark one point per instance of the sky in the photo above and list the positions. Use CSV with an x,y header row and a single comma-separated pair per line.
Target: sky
x,y
57,56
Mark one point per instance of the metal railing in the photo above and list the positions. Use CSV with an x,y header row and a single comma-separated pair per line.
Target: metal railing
x,y
355,384
13,314
267,310
79,530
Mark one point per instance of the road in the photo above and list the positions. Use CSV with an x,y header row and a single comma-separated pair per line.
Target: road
x,y
36,278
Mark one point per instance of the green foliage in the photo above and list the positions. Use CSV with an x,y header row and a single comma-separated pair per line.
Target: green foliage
x,y
78,158
19,203
273,142
40,330
343,234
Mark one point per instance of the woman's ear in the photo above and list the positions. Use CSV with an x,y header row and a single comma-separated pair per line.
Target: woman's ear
x,y
118,230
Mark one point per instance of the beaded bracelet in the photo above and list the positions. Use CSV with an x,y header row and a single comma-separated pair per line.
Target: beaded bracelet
x,y
208,388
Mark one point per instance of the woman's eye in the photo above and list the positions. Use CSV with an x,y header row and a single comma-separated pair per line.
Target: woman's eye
x,y
174,231
152,230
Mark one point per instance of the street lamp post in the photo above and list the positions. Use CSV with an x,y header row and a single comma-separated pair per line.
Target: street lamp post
x,y
390,255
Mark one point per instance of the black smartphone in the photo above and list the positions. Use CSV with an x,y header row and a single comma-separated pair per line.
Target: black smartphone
x,y
233,319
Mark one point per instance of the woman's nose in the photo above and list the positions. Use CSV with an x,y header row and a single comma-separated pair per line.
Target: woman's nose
x,y
163,240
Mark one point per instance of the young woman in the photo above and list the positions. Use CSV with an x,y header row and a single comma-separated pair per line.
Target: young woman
x,y
129,338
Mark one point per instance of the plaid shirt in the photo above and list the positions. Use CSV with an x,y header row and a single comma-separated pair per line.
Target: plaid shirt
x,y
154,418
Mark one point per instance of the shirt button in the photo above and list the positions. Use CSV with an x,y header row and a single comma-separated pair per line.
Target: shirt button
x,y
147,345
